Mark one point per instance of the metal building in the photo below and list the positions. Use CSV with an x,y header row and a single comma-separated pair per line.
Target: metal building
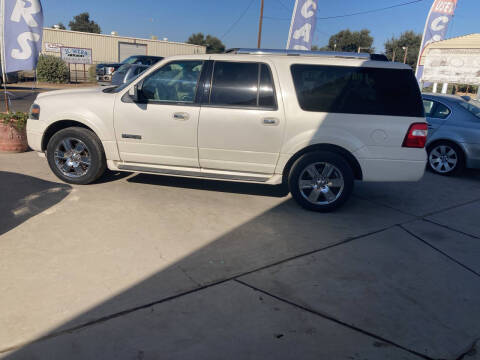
x,y
113,48
454,61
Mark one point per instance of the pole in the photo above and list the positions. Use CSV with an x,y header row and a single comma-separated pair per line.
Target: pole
x,y
406,53
2,55
394,53
260,25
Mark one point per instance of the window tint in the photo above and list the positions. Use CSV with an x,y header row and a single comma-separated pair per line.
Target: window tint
x,y
174,82
428,106
440,111
242,84
341,89
234,84
266,96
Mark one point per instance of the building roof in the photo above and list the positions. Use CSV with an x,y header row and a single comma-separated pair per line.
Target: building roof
x,y
471,41
119,37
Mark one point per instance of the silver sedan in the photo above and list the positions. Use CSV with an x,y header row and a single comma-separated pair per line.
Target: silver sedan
x,y
454,133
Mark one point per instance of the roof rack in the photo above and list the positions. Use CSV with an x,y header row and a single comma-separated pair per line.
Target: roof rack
x,y
347,55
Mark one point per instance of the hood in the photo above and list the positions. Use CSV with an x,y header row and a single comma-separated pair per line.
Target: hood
x,y
80,91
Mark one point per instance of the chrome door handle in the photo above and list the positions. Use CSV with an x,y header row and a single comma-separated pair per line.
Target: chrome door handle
x,y
270,121
181,116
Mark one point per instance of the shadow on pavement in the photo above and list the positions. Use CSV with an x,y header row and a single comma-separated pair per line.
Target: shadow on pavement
x,y
211,185
23,197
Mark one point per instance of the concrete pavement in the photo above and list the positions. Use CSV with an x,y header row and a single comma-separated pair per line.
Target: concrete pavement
x,y
138,266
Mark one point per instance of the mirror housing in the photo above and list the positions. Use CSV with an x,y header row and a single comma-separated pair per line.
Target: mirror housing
x,y
133,93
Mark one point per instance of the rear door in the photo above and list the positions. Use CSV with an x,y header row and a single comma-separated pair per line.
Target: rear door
x,y
436,113
242,120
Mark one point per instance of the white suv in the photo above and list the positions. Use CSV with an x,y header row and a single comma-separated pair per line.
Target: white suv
x,y
316,121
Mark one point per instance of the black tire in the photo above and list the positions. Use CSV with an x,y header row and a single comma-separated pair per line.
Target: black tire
x,y
94,150
342,170
442,170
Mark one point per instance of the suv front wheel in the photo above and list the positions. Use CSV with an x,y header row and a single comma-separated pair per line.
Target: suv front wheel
x,y
321,181
76,156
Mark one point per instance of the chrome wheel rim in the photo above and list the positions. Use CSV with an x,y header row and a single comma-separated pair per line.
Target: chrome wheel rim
x,y
443,159
321,183
72,157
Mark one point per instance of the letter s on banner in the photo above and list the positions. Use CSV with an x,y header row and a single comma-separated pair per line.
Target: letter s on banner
x,y
302,27
22,32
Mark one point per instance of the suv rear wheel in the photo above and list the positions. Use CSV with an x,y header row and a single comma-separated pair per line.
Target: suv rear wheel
x,y
76,156
321,181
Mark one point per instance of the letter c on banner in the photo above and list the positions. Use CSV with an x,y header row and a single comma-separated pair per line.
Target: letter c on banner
x,y
26,50
306,12
439,23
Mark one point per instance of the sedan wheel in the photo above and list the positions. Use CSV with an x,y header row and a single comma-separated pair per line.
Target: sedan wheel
x,y
444,159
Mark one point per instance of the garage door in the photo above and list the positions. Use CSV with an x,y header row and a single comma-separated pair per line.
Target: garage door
x,y
128,49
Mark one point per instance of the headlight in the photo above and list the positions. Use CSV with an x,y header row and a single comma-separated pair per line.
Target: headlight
x,y
34,112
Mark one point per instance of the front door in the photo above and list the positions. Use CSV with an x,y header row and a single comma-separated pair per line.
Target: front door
x,y
241,125
161,129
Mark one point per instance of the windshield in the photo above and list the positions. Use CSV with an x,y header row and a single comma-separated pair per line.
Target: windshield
x,y
472,107
123,86
130,60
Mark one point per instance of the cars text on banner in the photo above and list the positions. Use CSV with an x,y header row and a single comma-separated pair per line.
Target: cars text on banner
x,y
302,27
22,34
439,17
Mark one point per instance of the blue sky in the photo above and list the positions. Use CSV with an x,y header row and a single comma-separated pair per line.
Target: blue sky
x,y
179,18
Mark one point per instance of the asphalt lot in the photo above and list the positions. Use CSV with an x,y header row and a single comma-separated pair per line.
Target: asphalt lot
x,y
150,267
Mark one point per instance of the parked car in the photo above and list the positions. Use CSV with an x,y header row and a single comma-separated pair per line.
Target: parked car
x,y
316,121
104,71
127,72
11,77
454,136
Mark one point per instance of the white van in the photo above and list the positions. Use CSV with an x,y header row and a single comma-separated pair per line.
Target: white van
x,y
316,121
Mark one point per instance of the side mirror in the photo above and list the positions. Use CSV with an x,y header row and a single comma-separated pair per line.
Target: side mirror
x,y
133,93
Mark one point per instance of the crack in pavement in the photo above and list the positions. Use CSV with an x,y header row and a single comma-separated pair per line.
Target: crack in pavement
x,y
331,318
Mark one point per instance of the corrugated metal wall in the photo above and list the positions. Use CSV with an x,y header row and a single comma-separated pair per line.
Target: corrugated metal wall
x,y
105,48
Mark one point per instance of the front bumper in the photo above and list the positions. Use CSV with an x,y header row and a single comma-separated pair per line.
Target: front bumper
x,y
35,130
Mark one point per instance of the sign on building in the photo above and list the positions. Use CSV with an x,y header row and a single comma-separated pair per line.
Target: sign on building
x,y
53,47
455,66
76,55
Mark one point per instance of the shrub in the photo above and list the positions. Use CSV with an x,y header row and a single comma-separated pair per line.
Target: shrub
x,y
17,120
52,69
92,73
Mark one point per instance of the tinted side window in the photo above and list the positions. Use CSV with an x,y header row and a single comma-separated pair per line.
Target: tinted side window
x,y
440,111
341,89
242,84
234,84
266,96
428,106
174,82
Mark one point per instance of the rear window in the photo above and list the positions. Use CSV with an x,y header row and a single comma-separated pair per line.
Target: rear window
x,y
354,90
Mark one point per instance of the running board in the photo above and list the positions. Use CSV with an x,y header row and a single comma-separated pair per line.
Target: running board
x,y
196,174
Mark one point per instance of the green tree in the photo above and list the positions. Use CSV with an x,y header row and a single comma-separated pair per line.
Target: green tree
x,y
82,22
408,39
350,41
214,45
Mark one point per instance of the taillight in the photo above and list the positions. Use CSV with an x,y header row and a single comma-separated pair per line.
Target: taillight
x,y
416,136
